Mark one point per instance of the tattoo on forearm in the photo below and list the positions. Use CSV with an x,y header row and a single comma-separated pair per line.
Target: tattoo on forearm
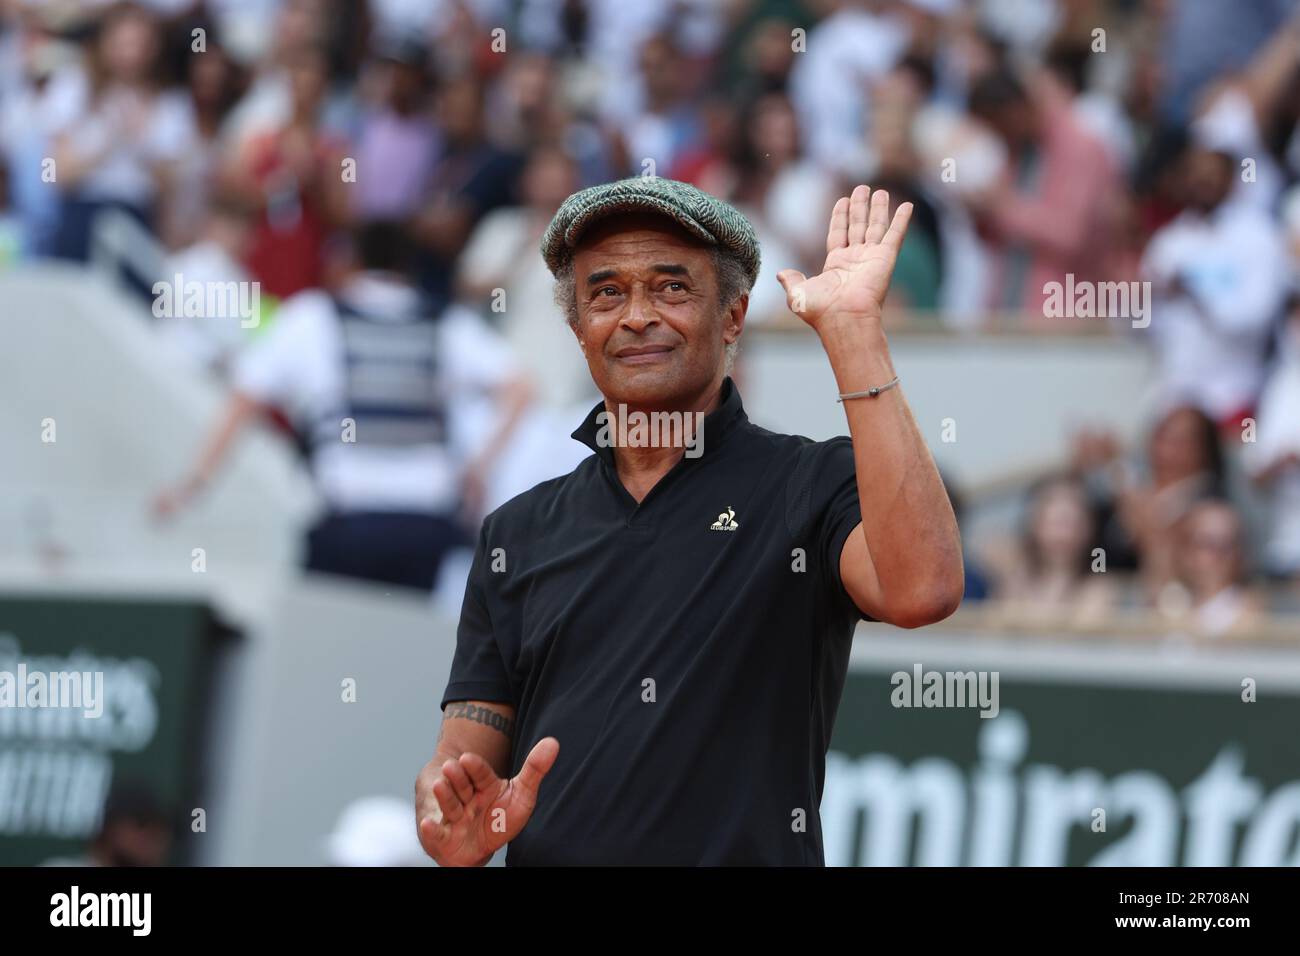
x,y
483,715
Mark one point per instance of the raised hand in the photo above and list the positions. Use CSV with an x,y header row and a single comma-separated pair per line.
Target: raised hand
x,y
467,813
861,249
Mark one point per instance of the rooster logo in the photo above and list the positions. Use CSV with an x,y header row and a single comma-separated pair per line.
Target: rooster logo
x,y
726,521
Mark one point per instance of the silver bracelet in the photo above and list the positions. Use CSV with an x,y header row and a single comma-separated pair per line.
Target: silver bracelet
x,y
871,392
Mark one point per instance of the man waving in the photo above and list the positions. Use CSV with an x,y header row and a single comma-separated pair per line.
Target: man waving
x,y
636,680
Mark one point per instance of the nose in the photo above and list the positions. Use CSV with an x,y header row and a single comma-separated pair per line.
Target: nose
x,y
640,312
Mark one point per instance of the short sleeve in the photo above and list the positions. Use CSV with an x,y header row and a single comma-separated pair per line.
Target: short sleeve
x,y
829,480
276,368
478,672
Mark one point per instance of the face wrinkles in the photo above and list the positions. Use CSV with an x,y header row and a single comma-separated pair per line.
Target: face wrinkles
x,y
648,314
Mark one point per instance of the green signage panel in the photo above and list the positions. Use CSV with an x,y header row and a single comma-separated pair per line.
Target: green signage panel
x,y
92,692
1066,774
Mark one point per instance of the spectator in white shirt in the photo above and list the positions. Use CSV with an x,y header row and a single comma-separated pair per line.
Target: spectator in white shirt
x,y
1219,275
375,385
120,147
213,339
846,52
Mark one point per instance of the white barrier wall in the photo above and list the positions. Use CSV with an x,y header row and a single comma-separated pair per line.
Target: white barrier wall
x,y
334,699
988,406
98,414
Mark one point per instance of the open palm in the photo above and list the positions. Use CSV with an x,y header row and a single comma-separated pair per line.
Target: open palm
x,y
861,249
474,812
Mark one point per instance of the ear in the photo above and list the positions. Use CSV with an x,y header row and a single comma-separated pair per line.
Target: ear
x,y
734,323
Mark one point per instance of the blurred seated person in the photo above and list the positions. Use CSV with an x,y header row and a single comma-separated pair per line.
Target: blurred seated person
x,y
501,273
215,258
898,99
119,142
398,142
1047,578
1140,505
1219,275
374,381
775,184
1049,215
1209,596
471,177
214,83
292,174
135,830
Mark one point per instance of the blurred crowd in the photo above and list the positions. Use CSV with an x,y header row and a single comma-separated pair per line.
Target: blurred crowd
x,y
293,142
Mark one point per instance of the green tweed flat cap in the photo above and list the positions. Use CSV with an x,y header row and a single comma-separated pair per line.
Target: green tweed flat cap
x,y
710,219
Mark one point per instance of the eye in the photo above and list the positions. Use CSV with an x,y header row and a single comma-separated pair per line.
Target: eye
x,y
606,288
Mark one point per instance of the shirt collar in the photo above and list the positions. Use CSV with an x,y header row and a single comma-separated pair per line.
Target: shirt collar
x,y
717,424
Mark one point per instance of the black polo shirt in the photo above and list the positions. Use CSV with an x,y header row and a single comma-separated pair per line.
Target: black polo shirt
x,y
688,652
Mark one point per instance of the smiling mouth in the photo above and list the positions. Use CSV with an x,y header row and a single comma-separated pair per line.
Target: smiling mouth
x,y
642,354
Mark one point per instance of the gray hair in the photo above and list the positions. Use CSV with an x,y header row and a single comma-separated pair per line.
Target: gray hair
x,y
732,284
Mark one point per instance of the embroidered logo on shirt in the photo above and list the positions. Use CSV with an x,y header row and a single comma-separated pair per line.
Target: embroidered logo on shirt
x,y
726,521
